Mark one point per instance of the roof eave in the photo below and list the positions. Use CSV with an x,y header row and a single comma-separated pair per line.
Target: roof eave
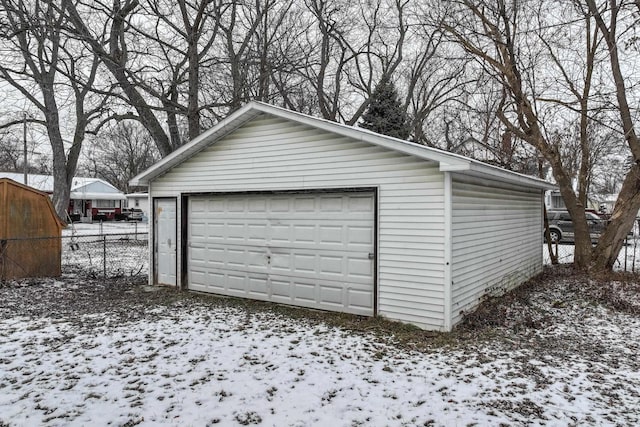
x,y
503,175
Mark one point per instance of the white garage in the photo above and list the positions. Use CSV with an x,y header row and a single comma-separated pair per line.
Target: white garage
x,y
278,206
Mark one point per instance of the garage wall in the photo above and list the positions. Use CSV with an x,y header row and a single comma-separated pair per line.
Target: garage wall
x,y
496,239
270,153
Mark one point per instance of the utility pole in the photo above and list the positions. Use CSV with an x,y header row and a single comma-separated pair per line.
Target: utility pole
x,y
24,138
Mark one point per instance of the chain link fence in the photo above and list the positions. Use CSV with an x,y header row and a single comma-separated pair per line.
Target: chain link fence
x,y
628,258
99,255
106,255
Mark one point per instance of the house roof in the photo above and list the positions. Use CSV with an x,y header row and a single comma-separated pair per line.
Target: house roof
x,y
8,181
448,162
81,187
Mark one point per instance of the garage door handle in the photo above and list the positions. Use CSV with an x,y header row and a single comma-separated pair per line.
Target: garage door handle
x,y
372,255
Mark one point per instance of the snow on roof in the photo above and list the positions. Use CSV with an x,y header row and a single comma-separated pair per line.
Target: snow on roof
x,y
45,182
448,162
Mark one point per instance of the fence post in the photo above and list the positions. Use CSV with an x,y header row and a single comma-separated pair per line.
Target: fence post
x,y
104,256
136,229
625,253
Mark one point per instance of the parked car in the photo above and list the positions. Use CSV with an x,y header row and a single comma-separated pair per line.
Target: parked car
x,y
130,214
561,226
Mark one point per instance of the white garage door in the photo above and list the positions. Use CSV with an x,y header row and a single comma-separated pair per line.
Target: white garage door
x,y
312,249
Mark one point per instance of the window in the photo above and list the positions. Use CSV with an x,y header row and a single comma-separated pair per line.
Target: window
x,y
105,204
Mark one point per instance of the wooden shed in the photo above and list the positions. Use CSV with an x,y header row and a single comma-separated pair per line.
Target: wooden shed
x,y
30,233
276,205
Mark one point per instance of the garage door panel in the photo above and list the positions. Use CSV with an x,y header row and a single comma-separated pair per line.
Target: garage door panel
x,y
237,282
256,232
279,204
360,236
332,295
305,292
360,298
304,249
258,288
361,204
256,259
304,233
331,265
305,204
280,290
360,268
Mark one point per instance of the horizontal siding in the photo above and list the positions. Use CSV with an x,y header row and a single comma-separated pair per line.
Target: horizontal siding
x,y
496,240
270,154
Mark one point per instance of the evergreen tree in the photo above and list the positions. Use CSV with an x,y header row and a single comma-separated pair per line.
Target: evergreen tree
x,y
385,114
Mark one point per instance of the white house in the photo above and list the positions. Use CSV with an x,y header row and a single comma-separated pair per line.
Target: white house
x,y
89,198
275,205
139,201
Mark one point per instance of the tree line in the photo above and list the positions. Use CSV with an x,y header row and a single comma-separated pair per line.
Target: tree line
x,y
543,87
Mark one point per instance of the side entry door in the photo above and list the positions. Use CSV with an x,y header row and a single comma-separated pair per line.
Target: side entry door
x,y
165,254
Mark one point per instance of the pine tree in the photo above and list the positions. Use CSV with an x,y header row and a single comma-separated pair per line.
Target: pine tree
x,y
385,114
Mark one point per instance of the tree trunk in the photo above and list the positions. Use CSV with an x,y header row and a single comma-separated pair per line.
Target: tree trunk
x,y
622,219
547,236
61,181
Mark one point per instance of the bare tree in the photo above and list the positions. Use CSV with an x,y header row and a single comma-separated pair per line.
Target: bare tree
x,y
541,83
12,146
55,75
612,22
380,53
112,48
177,45
119,153
11,152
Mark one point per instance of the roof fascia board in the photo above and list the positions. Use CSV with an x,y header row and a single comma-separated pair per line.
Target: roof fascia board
x,y
482,170
448,167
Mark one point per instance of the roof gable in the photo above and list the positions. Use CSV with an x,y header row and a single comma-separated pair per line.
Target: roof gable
x,y
93,186
448,162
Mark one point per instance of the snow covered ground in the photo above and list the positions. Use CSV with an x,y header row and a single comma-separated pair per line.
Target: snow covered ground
x,y
74,351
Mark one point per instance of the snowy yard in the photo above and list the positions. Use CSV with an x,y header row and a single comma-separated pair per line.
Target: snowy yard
x,y
106,227
73,351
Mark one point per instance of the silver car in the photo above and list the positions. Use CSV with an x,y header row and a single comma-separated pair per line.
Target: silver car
x,y
133,214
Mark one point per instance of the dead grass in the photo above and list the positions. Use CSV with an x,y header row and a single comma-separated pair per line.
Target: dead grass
x,y
530,307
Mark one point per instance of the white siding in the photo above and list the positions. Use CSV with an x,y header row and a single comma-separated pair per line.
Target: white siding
x,y
496,240
269,153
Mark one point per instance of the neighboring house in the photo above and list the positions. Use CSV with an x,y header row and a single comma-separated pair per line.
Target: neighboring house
x,y
279,206
554,200
598,203
91,198
139,201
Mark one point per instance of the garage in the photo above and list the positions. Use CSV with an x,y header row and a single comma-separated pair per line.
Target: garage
x,y
279,206
312,249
